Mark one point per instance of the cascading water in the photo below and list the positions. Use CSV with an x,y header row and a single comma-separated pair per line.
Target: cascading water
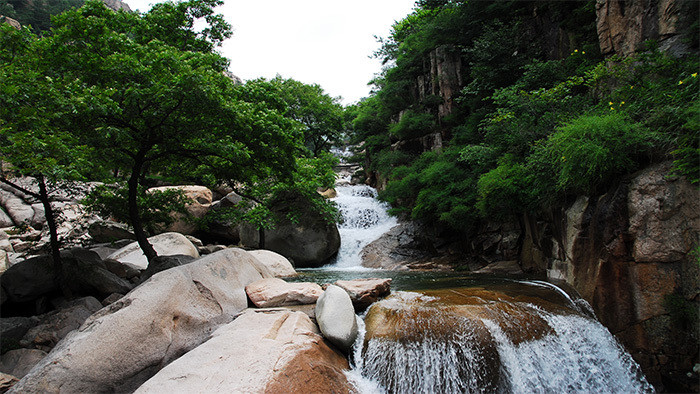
x,y
364,219
481,341
524,337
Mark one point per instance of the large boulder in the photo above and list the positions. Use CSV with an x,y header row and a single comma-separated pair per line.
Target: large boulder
x,y
364,292
109,231
85,274
199,199
124,344
272,292
166,244
309,241
278,264
17,209
259,352
336,317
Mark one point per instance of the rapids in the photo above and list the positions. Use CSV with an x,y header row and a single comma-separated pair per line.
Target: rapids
x,y
460,333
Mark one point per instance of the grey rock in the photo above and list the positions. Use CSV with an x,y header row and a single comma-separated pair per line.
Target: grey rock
x,y
124,344
336,318
55,325
19,362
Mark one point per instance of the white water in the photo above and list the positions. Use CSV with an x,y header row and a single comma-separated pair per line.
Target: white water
x,y
579,356
364,219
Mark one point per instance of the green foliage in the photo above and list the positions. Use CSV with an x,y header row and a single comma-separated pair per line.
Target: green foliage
x,y
158,207
437,187
687,155
503,190
593,150
413,125
320,116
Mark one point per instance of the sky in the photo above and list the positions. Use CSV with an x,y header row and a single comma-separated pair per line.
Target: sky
x,y
325,42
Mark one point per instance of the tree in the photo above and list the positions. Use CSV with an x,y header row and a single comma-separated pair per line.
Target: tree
x,y
320,115
35,121
163,102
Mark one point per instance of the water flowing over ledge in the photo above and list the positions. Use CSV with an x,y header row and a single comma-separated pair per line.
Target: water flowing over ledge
x,y
364,219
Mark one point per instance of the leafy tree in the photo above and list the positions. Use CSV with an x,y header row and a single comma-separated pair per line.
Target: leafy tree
x,y
164,105
36,114
320,116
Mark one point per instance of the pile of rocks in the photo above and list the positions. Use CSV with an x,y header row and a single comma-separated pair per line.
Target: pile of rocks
x,y
150,339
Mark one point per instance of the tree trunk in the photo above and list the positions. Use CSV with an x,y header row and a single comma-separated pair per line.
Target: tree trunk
x,y
134,217
59,273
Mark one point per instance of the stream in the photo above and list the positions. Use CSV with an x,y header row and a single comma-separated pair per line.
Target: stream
x,y
452,332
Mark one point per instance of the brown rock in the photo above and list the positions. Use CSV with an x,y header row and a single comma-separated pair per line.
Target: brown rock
x,y
271,352
364,292
7,382
272,292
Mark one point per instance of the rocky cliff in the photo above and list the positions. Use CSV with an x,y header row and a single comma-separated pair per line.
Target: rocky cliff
x,y
624,25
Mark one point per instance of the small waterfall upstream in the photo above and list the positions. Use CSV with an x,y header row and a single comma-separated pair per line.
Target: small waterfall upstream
x,y
364,219
488,336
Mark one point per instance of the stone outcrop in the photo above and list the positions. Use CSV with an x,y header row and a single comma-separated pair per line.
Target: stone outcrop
x,y
166,244
259,352
364,292
278,264
309,241
124,344
273,292
624,26
336,317
629,252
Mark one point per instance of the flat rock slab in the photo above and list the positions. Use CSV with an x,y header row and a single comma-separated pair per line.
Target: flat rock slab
x,y
259,352
272,292
364,292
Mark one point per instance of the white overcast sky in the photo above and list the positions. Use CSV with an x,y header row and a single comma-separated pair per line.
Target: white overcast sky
x,y
327,42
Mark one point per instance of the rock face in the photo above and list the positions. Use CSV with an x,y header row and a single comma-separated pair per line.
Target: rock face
x,y
364,292
624,26
629,253
166,244
270,352
309,242
127,342
336,317
278,264
272,292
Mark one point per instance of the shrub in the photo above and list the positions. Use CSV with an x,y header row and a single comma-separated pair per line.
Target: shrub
x,y
591,150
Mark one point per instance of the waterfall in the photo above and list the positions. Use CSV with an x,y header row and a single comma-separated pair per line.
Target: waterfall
x,y
488,342
364,219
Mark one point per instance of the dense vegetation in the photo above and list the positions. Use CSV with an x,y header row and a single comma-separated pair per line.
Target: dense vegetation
x,y
535,121
138,100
